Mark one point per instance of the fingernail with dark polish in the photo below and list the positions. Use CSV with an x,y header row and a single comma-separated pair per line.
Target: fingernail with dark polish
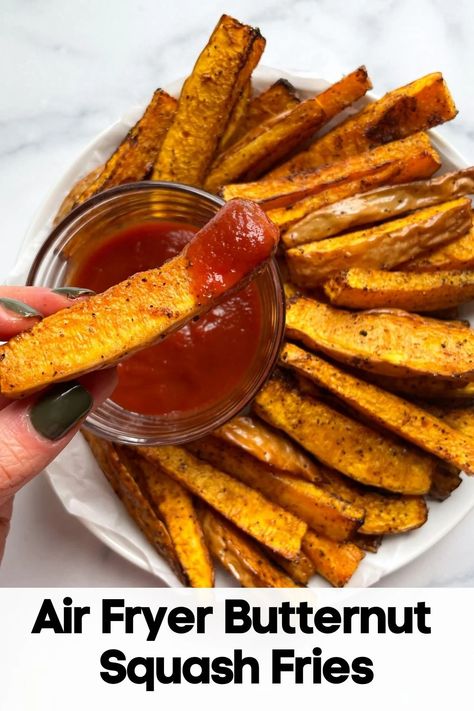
x,y
59,409
19,308
72,292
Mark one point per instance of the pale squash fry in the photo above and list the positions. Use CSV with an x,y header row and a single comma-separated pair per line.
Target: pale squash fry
x,y
246,508
176,509
424,103
390,411
98,332
206,102
411,291
386,342
135,156
385,513
396,162
266,144
326,514
336,562
380,247
239,555
342,443
454,255
131,496
268,445
378,205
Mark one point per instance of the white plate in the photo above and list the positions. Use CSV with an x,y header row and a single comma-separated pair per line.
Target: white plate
x,y
75,475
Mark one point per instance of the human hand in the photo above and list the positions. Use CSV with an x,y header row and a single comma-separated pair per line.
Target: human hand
x,y
34,430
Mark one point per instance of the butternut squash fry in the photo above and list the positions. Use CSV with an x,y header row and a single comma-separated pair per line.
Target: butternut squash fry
x,y
237,120
381,247
390,411
461,418
385,342
74,194
340,442
206,102
262,147
411,291
424,103
446,479
291,215
246,508
370,544
380,204
98,332
337,562
425,388
176,509
385,513
325,513
239,555
397,162
269,446
279,97
135,156
139,509
454,255
301,570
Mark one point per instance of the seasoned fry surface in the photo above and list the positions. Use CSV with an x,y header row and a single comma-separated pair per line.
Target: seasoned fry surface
x,y
400,416
410,291
341,442
277,137
337,562
268,445
275,527
240,556
389,343
424,103
206,101
176,508
323,512
412,158
138,507
380,204
135,156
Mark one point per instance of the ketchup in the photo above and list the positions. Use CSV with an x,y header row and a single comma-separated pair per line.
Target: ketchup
x,y
195,366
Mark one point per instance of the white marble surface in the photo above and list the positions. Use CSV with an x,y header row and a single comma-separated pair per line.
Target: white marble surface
x,y
67,70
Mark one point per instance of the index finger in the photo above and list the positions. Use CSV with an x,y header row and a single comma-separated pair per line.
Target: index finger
x,y
16,301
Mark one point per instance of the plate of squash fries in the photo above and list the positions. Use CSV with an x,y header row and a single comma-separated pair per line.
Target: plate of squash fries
x,y
356,454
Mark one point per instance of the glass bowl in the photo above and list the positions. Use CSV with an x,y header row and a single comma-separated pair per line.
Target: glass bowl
x,y
98,220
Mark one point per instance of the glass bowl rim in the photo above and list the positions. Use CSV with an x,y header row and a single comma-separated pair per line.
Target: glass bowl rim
x,y
278,296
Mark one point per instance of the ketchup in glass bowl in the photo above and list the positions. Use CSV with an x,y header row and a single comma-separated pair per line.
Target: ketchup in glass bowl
x,y
199,376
